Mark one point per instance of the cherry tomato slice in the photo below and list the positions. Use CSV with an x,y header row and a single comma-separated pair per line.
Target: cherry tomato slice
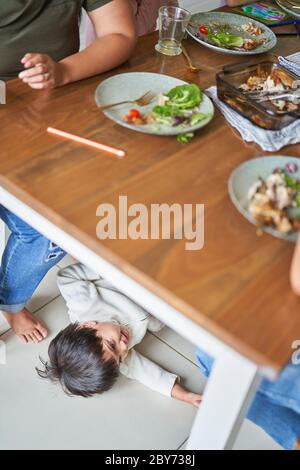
x,y
203,29
134,114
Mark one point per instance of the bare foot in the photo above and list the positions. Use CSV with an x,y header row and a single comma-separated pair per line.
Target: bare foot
x,y
26,326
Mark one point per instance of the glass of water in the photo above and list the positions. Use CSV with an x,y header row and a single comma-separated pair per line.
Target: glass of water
x,y
172,25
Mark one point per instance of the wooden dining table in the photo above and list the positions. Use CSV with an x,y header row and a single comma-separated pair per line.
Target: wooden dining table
x,y
233,297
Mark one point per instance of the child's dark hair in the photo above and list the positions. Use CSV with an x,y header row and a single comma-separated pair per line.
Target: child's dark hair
x,y
76,361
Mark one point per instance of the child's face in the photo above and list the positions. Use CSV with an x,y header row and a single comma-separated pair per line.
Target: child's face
x,y
115,339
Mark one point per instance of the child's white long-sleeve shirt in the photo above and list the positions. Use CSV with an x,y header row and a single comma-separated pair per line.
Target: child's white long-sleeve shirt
x,y
89,297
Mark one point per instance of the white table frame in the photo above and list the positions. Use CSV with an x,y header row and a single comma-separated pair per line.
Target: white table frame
x,y
234,378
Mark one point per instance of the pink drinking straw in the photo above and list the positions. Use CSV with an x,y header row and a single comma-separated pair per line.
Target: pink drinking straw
x,y
89,143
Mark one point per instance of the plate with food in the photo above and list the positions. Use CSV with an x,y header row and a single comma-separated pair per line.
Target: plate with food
x,y
177,108
266,190
231,34
290,6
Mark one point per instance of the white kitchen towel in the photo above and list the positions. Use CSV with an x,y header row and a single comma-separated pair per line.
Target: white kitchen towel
x,y
270,141
291,63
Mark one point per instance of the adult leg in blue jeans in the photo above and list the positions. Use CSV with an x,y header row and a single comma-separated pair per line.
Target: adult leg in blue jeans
x,y
27,258
276,406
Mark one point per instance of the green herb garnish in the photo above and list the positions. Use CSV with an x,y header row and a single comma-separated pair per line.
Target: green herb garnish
x,y
185,138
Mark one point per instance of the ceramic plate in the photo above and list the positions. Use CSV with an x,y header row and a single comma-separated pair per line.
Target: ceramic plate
x,y
235,22
246,174
289,8
129,86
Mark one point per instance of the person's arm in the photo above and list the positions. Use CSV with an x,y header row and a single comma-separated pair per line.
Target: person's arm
x,y
116,37
146,12
77,284
235,3
295,269
180,393
153,376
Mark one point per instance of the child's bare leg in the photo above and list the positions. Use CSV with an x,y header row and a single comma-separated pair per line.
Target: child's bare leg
x,y
28,328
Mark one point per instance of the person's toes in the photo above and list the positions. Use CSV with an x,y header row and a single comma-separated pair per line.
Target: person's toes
x,y
33,339
23,339
37,335
29,338
42,330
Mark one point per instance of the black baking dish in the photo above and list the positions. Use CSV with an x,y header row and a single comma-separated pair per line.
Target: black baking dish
x,y
232,77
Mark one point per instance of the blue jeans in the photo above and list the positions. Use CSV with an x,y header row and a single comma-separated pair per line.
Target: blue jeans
x,y
27,258
276,406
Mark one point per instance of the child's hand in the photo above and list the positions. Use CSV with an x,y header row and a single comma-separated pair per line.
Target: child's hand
x,y
194,399
42,71
180,393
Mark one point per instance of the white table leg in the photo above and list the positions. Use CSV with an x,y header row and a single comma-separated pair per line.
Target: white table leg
x,y
2,237
228,395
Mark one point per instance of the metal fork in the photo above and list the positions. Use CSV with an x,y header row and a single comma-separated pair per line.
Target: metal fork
x,y
283,96
273,94
143,100
189,60
192,67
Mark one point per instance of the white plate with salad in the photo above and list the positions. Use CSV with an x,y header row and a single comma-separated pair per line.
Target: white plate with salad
x,y
231,34
179,108
266,190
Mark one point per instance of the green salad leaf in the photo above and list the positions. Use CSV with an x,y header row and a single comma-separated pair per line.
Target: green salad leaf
x,y
197,118
181,109
185,138
163,114
163,111
226,39
184,97
292,182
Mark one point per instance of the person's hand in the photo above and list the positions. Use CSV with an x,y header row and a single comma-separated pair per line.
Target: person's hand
x,y
180,393
194,399
41,71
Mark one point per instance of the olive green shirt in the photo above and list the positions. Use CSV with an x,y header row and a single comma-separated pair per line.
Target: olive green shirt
x,y
46,26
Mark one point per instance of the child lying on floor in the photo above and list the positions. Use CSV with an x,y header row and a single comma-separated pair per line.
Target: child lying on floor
x,y
87,356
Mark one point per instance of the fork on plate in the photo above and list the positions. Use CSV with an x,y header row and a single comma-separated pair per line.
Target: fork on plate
x,y
143,100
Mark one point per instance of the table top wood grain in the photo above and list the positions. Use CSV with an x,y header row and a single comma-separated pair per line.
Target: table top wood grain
x,y
237,286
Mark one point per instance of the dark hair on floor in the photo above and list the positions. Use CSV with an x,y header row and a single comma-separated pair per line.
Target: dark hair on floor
x,y
76,362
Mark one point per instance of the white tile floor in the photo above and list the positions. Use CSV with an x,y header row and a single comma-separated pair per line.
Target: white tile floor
x,y
36,415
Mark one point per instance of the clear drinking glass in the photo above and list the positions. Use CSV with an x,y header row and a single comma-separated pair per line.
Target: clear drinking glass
x,y
172,25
